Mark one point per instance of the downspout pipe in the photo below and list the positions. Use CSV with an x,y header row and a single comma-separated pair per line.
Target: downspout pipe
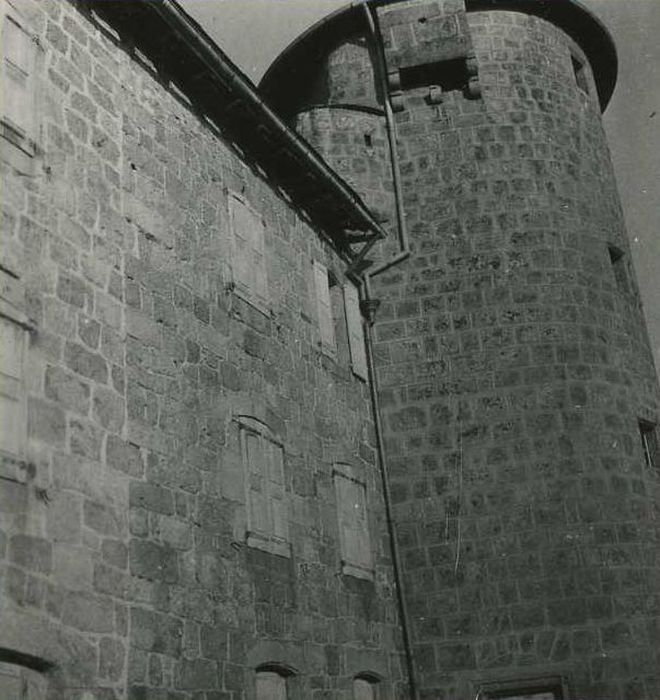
x,y
369,308
380,71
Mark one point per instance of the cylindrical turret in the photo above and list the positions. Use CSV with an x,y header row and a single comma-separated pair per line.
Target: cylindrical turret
x,y
518,391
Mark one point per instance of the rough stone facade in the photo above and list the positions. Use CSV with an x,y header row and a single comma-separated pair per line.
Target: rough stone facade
x,y
124,563
512,356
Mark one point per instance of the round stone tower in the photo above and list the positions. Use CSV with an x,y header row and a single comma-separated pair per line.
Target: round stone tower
x,y
517,387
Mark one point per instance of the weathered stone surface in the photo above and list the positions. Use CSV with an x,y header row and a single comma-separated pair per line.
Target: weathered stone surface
x,y
85,363
88,612
153,562
124,456
67,390
46,422
108,409
31,553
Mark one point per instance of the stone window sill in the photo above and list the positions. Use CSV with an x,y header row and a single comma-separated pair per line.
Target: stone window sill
x,y
279,548
357,571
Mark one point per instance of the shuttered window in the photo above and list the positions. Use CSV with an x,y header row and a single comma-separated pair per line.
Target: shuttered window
x,y
19,93
355,542
270,686
364,689
324,308
355,330
12,394
267,512
248,259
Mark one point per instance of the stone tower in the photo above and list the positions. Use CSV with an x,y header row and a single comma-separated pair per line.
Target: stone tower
x,y
517,388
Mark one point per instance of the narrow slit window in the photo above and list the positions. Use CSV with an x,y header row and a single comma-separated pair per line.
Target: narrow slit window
x,y
619,268
649,435
580,72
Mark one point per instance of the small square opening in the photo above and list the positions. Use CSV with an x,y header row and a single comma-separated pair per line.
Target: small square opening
x,y
449,75
619,268
579,69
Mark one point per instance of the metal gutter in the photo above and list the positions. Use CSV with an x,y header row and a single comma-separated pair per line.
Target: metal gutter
x,y
190,55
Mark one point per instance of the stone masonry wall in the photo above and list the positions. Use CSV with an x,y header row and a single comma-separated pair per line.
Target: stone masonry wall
x,y
123,555
513,369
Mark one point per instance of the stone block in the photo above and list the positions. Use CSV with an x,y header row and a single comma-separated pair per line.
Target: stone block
x,y
103,519
85,439
155,632
197,674
153,562
67,390
88,612
115,552
151,497
73,291
111,659
64,517
86,363
108,409
123,456
46,422
32,553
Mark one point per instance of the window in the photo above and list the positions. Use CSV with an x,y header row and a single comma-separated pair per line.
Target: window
x,y
340,320
579,70
21,683
534,689
649,434
355,331
351,495
263,463
270,686
619,267
13,345
248,259
20,55
365,688
324,309
448,75
272,682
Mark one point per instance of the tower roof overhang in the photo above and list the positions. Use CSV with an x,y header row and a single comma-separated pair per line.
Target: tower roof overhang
x,y
569,15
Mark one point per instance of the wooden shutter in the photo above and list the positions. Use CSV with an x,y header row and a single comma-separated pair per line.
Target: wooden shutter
x,y
242,269
277,493
270,686
258,486
324,307
18,96
353,522
249,260
12,405
363,690
355,330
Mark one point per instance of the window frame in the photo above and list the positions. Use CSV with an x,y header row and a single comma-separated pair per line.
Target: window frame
x,y
510,689
648,431
373,681
19,141
13,463
264,539
355,331
358,569
579,66
324,310
248,290
619,264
